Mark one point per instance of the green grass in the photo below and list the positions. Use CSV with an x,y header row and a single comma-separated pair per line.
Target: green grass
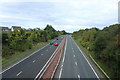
x,y
104,67
20,55
82,48
100,63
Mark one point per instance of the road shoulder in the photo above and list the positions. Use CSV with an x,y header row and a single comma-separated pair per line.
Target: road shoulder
x,y
96,68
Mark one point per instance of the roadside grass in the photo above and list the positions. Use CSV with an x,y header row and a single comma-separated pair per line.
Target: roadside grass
x,y
100,63
6,62
104,67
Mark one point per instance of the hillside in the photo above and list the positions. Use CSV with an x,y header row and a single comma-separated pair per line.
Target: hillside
x,y
103,45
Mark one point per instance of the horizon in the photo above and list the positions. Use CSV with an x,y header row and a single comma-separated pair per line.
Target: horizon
x,y
62,15
57,26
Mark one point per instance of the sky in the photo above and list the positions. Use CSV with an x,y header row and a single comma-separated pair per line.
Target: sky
x,y
69,15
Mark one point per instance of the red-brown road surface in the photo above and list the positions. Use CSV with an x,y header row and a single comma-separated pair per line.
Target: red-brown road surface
x,y
48,74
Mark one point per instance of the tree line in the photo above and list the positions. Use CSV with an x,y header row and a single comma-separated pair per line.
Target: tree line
x,y
104,45
21,40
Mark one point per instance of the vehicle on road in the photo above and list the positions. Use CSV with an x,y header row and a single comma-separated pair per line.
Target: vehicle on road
x,y
51,43
57,39
55,44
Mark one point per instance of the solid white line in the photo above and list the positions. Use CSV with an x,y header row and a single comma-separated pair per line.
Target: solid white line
x,y
34,61
76,63
56,66
19,73
65,51
63,60
24,58
46,64
60,74
99,67
86,60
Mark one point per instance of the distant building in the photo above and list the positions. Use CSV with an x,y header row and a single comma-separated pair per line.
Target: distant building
x,y
5,29
23,28
29,29
16,28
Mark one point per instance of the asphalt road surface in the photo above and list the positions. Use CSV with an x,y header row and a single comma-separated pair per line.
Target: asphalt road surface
x,y
75,64
31,66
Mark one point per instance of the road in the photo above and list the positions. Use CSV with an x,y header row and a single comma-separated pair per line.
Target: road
x,y
31,66
75,64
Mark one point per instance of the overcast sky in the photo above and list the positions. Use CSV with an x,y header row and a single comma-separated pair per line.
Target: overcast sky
x,y
69,15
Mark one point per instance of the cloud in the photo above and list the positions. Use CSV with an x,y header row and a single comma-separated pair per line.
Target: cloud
x,y
63,14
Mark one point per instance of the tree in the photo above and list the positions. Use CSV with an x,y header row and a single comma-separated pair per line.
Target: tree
x,y
104,45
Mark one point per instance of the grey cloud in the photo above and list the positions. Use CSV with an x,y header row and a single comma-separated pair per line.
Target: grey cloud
x,y
81,13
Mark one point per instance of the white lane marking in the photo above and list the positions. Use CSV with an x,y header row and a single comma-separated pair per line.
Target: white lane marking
x,y
46,63
47,50
19,73
60,73
74,55
63,60
78,76
50,47
61,65
76,63
73,50
24,58
34,61
86,60
41,54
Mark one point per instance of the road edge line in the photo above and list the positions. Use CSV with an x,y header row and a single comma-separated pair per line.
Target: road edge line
x,y
86,60
46,63
100,68
56,67
24,58
63,59
58,61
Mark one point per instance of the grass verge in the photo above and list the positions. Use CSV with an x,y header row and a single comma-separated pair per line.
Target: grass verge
x,y
100,63
20,55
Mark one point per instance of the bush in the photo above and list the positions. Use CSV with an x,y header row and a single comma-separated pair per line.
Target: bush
x,y
105,45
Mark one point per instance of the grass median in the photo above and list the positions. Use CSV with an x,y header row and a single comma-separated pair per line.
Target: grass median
x,y
6,62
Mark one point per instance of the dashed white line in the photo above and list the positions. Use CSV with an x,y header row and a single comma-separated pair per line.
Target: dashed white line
x,y
34,61
74,55
41,54
23,59
86,59
75,63
19,73
61,65
73,50
78,76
